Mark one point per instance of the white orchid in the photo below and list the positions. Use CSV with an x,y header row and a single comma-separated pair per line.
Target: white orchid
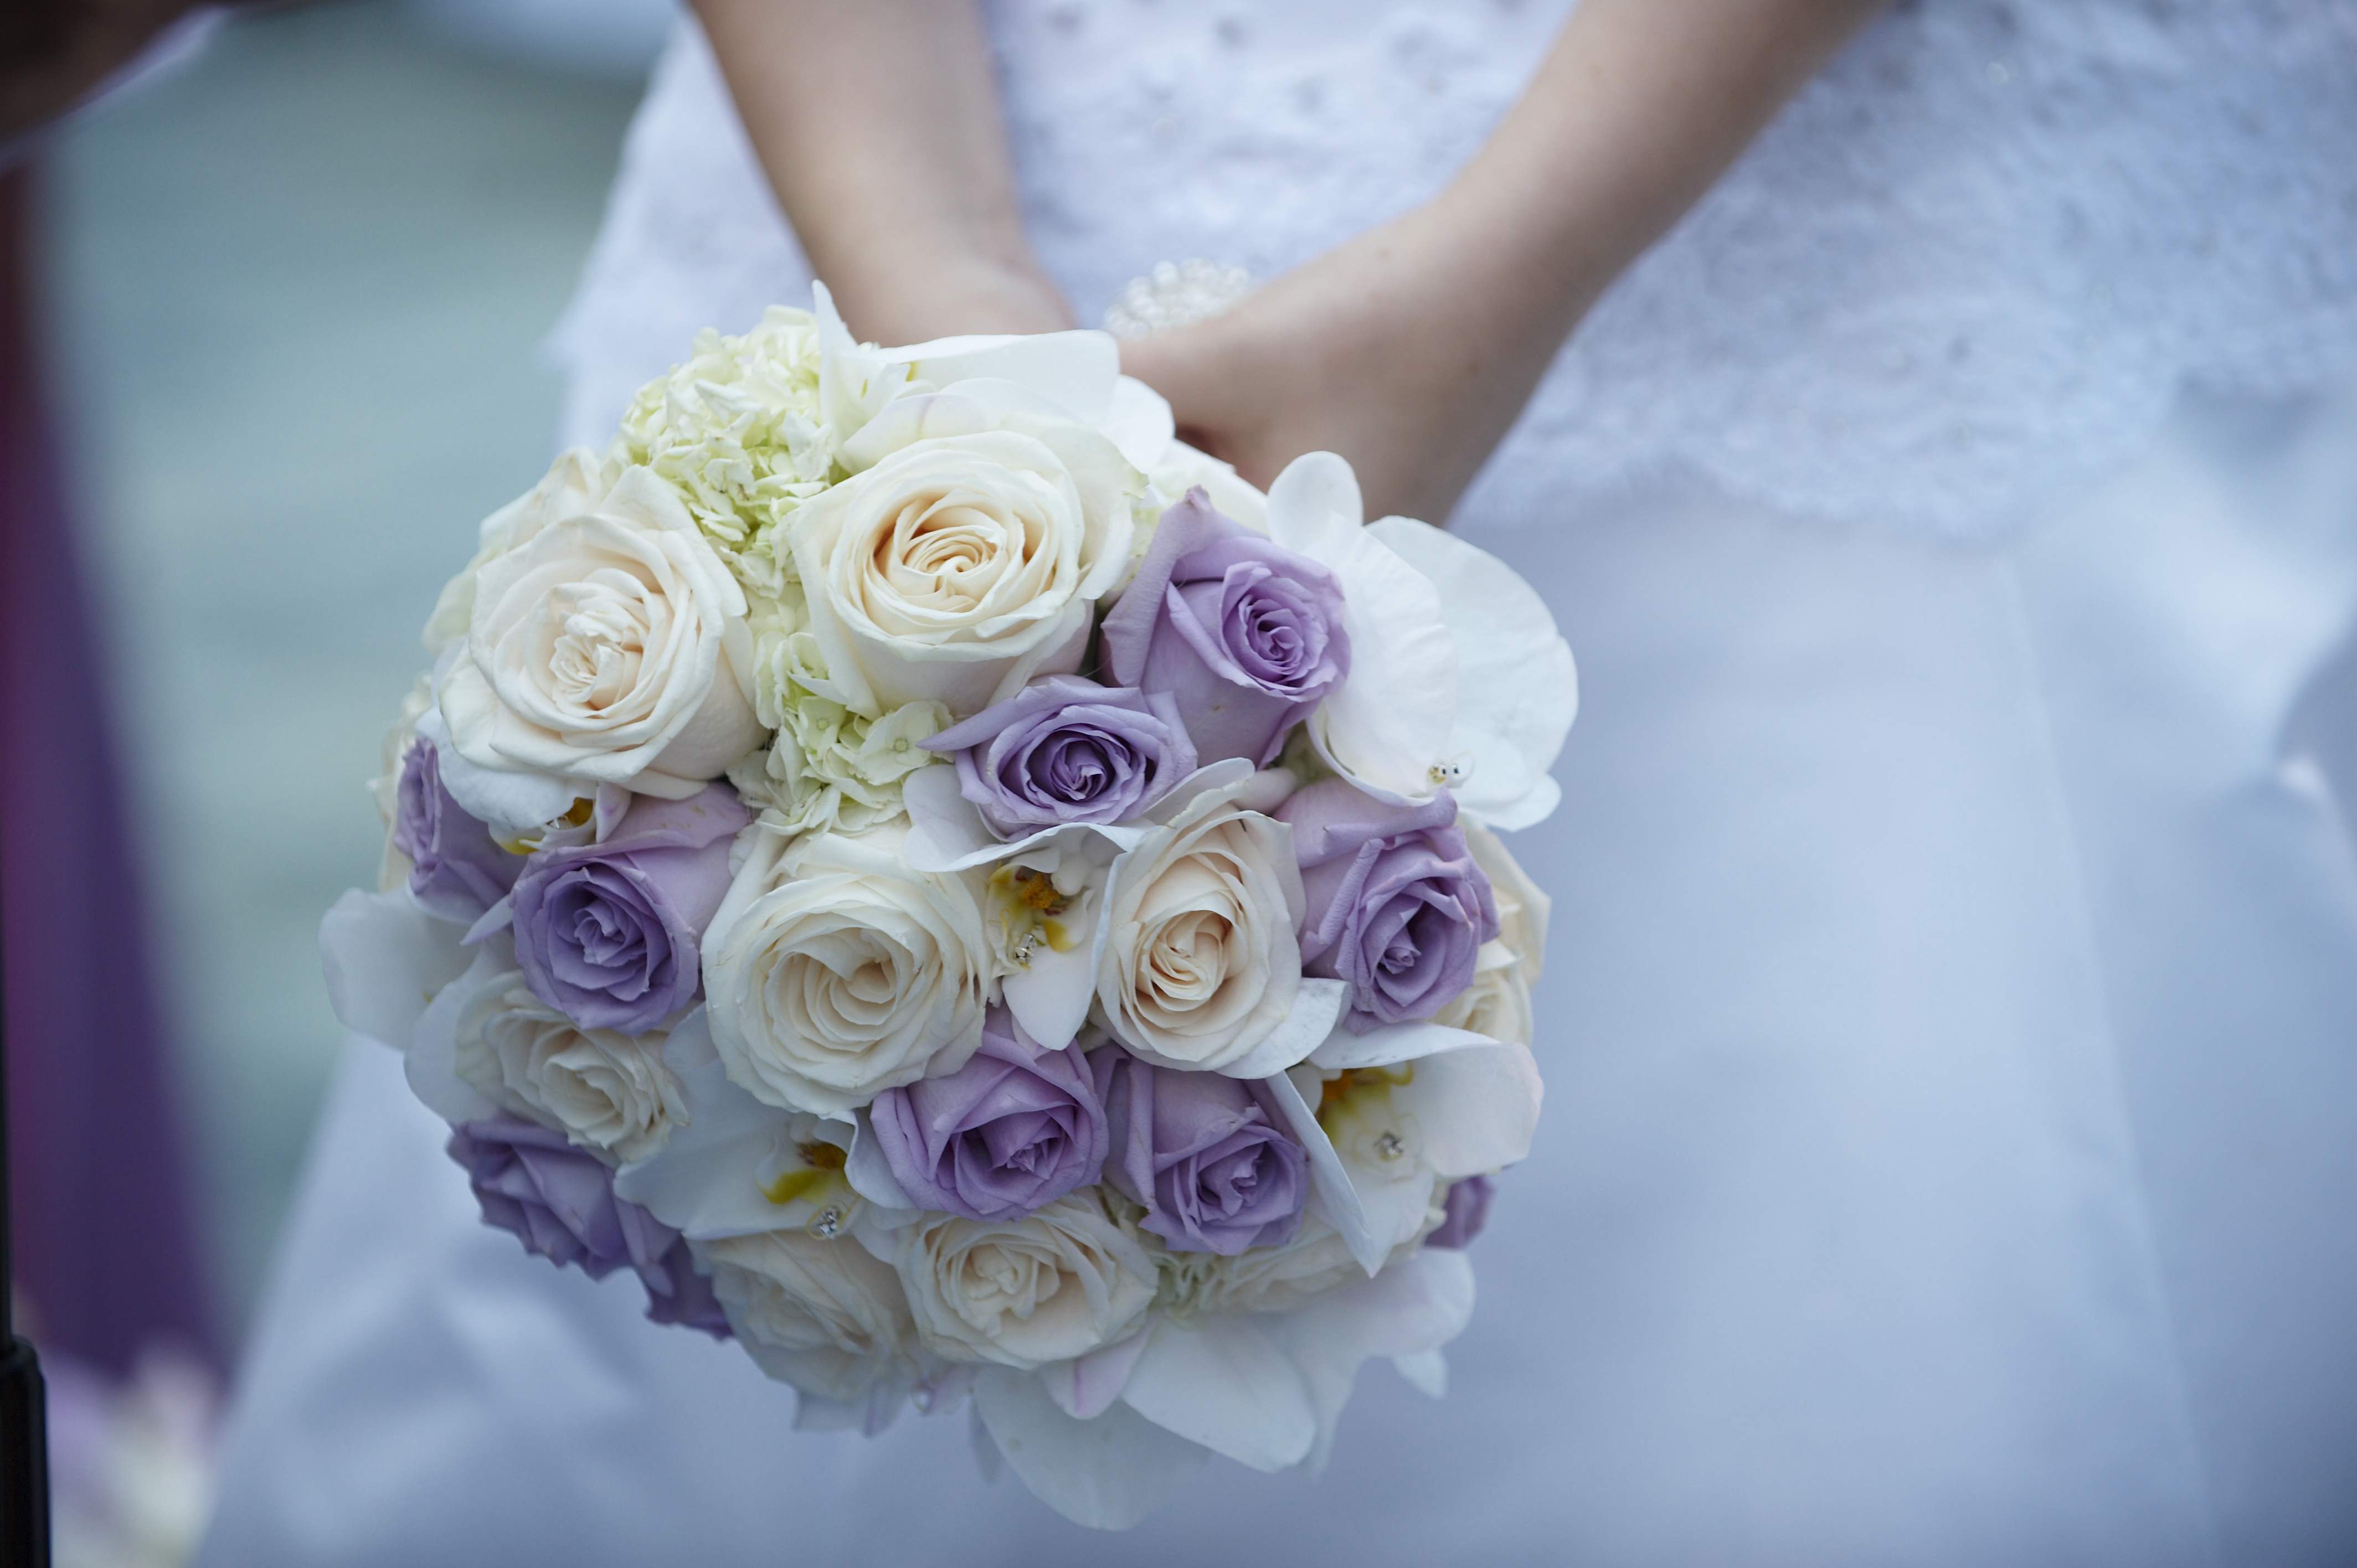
x,y
1459,679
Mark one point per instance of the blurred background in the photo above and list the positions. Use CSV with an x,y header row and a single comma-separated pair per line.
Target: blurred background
x,y
285,290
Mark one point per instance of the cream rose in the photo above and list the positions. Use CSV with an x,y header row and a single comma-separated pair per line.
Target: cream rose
x,y
958,566
823,1315
608,647
1025,1293
1201,966
833,972
1263,1279
1498,1003
610,1094
571,487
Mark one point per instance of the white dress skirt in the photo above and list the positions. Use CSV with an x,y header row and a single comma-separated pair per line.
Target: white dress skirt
x,y
1949,1022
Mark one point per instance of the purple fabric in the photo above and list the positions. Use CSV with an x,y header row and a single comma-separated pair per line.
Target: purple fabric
x,y
1208,1154
605,933
559,1201
1065,750
1245,635
1467,1208
100,1192
1010,1132
1397,907
456,869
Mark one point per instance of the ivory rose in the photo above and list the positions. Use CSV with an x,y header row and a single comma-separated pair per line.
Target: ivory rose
x,y
957,567
833,972
610,1093
818,1313
1498,1002
1056,1285
611,647
1201,967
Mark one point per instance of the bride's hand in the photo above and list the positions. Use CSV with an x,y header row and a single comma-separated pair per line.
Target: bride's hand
x,y
1411,349
1390,349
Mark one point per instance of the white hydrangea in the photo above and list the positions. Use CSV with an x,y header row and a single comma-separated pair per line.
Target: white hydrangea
x,y
737,431
829,767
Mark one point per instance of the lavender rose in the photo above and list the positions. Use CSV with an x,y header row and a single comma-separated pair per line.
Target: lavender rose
x,y
1466,1209
1010,1132
1246,635
455,870
1065,750
1208,1154
1397,906
605,933
560,1203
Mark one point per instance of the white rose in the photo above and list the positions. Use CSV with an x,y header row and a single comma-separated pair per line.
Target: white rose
x,y
571,487
1523,904
609,647
610,1093
1024,1292
958,565
1200,968
833,972
1259,1279
821,1315
1498,1003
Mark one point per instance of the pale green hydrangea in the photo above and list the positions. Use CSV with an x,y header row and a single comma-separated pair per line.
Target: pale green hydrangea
x,y
739,432
829,767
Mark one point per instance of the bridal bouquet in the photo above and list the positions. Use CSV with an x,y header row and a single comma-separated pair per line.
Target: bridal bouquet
x,y
961,894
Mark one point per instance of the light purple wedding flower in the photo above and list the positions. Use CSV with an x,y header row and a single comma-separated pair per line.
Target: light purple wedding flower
x,y
1246,635
1065,750
605,933
1397,907
1208,1154
559,1201
455,870
1467,1208
1013,1130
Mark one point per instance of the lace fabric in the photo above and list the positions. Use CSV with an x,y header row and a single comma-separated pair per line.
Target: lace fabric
x,y
1969,267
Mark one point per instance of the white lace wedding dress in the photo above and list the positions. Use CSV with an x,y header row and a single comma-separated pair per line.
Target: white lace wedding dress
x,y
1951,1026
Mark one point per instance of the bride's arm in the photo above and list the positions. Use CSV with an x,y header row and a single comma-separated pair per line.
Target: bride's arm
x,y
877,122
1411,349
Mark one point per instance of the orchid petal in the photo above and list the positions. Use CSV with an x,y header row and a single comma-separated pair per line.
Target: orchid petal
x,y
1333,1198
1075,371
705,1180
386,959
1086,1386
1223,1383
1426,1371
1518,686
1392,1043
1387,727
1476,1109
1050,997
1138,420
1107,1474
430,1059
1418,1303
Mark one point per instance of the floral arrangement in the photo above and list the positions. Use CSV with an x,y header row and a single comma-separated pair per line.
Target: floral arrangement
x,y
964,895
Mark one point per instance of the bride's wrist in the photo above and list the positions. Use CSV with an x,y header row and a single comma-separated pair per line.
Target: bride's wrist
x,y
920,287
